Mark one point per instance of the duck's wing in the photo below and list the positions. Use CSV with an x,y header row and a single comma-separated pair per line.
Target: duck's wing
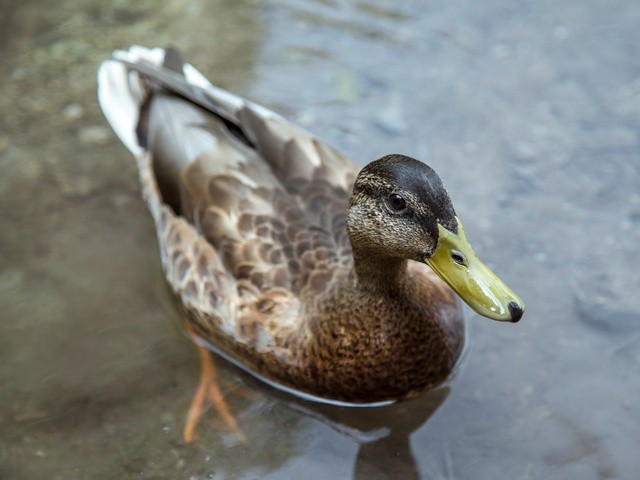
x,y
249,209
317,176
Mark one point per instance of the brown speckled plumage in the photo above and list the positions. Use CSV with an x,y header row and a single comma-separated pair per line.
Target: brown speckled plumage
x,y
258,231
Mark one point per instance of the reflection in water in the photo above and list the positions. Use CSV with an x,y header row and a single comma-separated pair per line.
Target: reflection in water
x,y
382,433
388,458
389,455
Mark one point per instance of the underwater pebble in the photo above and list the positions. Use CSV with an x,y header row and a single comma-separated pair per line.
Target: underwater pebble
x,y
606,316
11,279
306,119
94,135
18,74
543,107
540,257
73,111
500,51
120,201
110,429
524,150
79,186
391,119
560,32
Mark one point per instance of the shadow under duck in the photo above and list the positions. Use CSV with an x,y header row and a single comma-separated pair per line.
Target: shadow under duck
x,y
284,258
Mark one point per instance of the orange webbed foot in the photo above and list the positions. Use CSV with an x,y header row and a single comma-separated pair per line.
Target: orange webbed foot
x,y
208,392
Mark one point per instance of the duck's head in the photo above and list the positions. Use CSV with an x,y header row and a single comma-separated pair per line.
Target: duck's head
x,y
400,209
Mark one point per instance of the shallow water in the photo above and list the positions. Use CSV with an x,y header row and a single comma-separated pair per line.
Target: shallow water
x,y
531,115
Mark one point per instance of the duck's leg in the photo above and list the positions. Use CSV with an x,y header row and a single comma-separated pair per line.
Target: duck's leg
x,y
208,391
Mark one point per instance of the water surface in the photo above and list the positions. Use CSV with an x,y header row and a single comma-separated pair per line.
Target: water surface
x,y
530,113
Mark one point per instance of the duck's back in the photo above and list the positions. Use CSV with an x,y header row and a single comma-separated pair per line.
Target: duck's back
x,y
249,209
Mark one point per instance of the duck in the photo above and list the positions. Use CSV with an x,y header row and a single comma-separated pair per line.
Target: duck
x,y
333,282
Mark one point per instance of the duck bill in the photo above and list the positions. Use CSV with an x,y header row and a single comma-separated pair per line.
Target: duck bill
x,y
458,265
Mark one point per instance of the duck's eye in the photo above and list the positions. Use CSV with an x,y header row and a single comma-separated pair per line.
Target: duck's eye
x,y
457,257
396,202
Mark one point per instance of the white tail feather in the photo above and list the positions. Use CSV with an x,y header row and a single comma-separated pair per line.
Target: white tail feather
x,y
120,92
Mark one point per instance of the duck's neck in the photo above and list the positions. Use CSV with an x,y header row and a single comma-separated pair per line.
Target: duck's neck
x,y
377,274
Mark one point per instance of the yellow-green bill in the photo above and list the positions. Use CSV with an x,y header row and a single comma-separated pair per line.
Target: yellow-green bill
x,y
457,264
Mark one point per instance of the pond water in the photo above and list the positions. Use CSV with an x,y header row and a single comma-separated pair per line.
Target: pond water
x,y
530,112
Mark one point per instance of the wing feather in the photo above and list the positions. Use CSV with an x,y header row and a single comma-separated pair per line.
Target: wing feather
x,y
261,212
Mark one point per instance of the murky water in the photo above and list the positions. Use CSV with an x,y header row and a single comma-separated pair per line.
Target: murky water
x,y
531,114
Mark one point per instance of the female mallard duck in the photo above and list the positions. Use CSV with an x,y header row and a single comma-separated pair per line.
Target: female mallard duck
x,y
285,259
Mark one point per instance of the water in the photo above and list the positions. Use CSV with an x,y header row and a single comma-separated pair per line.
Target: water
x,y
530,114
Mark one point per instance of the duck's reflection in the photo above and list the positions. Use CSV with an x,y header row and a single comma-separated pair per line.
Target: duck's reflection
x,y
382,433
